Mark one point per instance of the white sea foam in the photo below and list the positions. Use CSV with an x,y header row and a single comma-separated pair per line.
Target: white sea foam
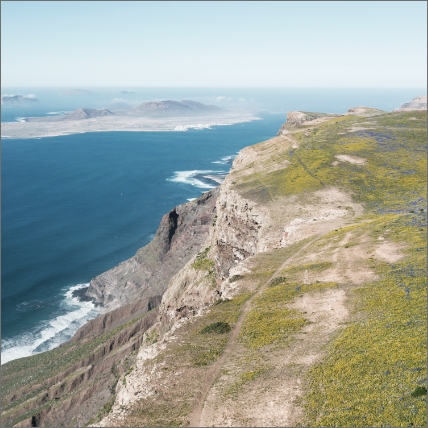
x,y
191,199
199,126
57,113
20,119
51,333
190,177
226,160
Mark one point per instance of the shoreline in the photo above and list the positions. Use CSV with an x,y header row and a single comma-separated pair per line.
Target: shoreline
x,y
27,130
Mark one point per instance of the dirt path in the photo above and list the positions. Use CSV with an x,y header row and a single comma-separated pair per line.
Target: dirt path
x,y
214,371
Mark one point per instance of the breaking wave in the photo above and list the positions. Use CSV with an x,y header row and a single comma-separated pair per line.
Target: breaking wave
x,y
50,333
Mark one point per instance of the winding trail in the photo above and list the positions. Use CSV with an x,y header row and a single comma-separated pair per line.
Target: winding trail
x,y
214,371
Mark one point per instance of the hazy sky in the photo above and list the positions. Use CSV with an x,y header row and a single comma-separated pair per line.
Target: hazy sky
x,y
333,44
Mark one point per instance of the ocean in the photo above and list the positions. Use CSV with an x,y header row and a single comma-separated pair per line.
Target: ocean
x,y
74,206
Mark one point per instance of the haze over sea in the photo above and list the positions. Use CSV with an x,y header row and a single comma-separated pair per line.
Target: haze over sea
x,y
77,205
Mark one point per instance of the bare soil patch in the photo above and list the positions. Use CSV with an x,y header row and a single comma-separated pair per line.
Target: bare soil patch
x,y
351,159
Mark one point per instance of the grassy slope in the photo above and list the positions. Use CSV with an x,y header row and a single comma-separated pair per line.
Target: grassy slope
x,y
376,364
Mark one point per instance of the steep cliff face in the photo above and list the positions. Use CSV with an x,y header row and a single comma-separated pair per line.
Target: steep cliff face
x,y
236,235
179,237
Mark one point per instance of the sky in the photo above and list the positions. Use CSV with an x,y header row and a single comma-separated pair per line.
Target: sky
x,y
214,44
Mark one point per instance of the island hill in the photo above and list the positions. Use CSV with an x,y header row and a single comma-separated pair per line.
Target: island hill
x,y
294,294
18,100
149,116
155,109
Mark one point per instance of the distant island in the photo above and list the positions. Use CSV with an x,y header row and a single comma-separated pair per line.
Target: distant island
x,y
127,92
174,108
18,100
166,115
79,114
74,92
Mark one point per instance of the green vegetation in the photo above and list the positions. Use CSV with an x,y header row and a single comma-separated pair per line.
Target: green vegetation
x,y
395,169
270,321
203,262
244,378
235,278
217,328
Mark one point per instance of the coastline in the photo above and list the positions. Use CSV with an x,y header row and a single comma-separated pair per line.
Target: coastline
x,y
25,130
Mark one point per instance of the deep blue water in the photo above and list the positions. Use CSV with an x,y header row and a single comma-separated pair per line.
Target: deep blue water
x,y
75,206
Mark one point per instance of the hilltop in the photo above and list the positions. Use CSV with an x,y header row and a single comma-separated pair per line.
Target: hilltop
x,y
79,114
18,100
174,108
300,301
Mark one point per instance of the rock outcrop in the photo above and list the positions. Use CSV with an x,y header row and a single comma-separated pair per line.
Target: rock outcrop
x,y
364,111
297,118
418,103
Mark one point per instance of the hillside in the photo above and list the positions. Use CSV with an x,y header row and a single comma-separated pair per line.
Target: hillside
x,y
79,114
304,305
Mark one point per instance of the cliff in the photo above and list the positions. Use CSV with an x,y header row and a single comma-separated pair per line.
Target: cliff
x,y
302,302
